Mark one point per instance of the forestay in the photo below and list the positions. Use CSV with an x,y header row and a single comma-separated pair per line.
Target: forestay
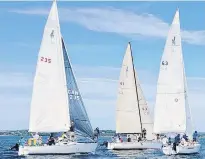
x,y
128,116
171,105
78,112
49,106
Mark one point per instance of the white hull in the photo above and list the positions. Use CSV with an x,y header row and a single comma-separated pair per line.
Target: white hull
x,y
134,145
191,149
69,148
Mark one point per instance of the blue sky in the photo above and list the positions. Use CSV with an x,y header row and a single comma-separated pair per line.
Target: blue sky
x,y
96,36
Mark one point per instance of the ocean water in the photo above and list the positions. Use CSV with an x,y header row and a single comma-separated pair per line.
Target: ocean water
x,y
7,141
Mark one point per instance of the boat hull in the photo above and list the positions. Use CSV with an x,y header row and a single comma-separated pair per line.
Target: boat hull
x,y
190,149
134,145
69,148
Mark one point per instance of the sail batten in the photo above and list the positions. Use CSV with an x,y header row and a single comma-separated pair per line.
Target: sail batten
x,y
49,105
171,103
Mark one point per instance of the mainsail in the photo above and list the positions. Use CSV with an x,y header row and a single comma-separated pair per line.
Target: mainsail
x,y
49,106
172,110
78,113
131,104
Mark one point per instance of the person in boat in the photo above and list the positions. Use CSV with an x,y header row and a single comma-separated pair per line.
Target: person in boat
x,y
118,138
40,141
121,140
72,130
157,137
144,132
72,127
64,136
195,136
169,141
139,138
96,133
51,140
36,136
185,137
184,142
165,140
128,138
34,140
176,141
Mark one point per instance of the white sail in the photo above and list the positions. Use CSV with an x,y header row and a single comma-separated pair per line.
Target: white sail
x,y
146,119
127,117
49,105
170,109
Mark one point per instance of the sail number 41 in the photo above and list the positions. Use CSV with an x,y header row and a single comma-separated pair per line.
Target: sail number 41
x,y
45,59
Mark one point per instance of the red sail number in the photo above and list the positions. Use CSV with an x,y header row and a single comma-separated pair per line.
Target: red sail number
x,y
45,59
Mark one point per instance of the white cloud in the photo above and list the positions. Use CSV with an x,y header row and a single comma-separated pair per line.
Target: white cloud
x,y
124,22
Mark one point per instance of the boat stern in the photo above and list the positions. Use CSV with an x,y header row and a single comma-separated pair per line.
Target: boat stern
x,y
167,150
23,151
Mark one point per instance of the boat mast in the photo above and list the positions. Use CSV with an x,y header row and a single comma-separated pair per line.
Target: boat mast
x,y
136,88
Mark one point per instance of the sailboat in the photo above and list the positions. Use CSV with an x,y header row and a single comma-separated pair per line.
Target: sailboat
x,y
132,113
172,112
56,100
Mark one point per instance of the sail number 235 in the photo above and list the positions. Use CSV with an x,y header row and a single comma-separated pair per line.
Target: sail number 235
x,y
45,59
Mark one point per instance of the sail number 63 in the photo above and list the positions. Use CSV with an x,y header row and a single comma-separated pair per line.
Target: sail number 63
x,y
45,59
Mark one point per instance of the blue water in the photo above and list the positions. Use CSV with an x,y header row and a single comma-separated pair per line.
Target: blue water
x,y
7,141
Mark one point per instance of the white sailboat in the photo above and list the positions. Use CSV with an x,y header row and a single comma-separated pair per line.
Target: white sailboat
x,y
172,112
56,100
132,110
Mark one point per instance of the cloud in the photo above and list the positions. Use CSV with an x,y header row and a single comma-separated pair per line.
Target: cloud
x,y
124,22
